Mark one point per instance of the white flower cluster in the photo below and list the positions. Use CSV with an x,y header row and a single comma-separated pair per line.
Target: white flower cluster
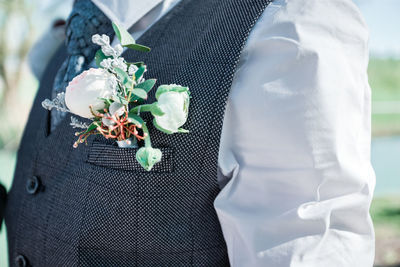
x,y
75,123
115,52
110,63
57,103
104,42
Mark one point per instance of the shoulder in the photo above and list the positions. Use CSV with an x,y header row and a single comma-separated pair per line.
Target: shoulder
x,y
325,32
298,19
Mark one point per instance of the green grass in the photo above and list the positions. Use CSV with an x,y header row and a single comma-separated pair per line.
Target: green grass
x,y
385,124
385,212
384,79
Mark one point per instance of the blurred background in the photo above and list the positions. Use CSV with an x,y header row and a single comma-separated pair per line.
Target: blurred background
x,y
24,22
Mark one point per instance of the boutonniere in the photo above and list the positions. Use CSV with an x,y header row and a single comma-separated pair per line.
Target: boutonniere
x,y
112,96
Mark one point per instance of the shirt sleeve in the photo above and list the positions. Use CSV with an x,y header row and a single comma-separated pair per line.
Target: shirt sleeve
x,y
296,141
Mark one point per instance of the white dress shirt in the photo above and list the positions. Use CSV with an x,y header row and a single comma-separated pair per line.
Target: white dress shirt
x,y
296,176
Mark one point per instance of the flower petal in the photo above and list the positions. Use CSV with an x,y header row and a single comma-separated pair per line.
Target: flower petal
x,y
116,109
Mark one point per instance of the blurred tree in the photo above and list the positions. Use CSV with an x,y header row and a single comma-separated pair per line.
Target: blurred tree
x,y
16,37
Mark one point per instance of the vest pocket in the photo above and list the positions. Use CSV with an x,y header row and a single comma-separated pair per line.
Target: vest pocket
x,y
114,157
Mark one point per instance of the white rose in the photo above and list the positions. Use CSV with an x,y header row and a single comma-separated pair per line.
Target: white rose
x,y
86,89
173,100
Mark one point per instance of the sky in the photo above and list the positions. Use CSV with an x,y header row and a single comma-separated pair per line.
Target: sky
x,y
383,20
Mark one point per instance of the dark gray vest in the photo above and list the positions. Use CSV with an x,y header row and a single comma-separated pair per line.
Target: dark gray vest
x,y
94,205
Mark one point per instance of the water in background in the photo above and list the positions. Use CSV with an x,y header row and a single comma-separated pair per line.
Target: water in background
x,y
385,156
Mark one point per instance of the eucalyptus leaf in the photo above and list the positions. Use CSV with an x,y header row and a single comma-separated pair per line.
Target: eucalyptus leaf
x,y
129,84
122,75
123,35
147,85
138,47
140,93
127,40
139,72
123,101
137,64
136,99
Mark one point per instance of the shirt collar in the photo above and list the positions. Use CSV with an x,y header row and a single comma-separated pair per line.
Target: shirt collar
x,y
127,13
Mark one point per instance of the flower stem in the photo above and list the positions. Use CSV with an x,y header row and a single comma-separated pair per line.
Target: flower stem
x,y
131,89
147,141
144,107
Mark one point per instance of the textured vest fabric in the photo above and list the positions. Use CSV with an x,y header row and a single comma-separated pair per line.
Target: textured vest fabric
x,y
94,205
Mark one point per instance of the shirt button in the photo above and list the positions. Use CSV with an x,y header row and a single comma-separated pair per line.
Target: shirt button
x,y
21,261
32,185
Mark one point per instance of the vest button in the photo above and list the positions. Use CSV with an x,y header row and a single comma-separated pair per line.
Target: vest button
x,y
32,185
21,261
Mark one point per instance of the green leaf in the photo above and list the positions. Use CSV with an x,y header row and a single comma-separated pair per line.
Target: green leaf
x,y
139,72
140,93
99,57
147,85
156,110
123,35
137,64
138,47
122,75
135,119
107,101
91,127
127,40
181,130
160,128
129,84
122,100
